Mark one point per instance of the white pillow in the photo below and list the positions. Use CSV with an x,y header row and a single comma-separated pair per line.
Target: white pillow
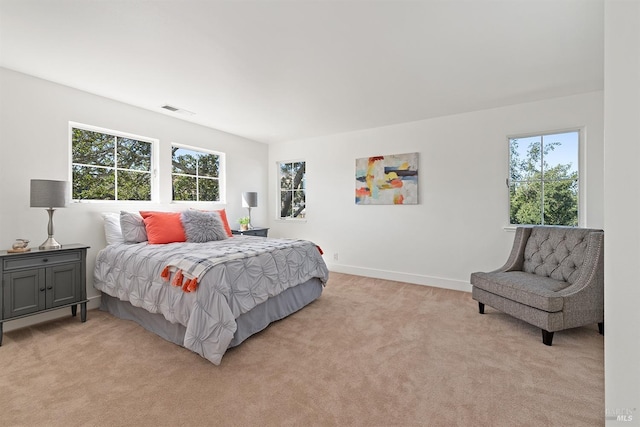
x,y
112,230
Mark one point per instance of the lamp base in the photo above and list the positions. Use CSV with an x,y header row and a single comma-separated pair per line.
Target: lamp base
x,y
50,243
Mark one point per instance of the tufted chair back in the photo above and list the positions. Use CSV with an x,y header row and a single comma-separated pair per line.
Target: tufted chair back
x,y
556,252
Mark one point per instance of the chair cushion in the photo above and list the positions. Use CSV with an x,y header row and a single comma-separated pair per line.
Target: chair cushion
x,y
530,289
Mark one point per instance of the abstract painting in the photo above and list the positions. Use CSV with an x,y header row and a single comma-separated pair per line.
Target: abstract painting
x,y
387,180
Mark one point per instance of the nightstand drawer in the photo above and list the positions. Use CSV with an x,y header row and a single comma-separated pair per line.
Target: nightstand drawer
x,y
260,232
40,260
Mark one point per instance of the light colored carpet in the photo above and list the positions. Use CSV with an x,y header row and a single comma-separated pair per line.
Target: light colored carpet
x,y
368,353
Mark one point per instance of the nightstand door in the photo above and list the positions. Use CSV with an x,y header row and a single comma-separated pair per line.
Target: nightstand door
x,y
24,292
62,285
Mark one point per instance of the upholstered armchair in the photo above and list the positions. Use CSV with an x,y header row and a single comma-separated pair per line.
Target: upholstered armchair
x,y
553,279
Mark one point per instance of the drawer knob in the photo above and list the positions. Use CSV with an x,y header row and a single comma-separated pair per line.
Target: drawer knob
x,y
41,289
45,259
50,287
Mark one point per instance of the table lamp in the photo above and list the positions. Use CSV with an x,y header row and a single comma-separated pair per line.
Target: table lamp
x,y
249,200
49,194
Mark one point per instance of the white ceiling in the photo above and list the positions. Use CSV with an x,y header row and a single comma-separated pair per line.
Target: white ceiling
x,y
283,70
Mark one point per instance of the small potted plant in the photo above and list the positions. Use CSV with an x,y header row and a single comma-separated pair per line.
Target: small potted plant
x,y
244,223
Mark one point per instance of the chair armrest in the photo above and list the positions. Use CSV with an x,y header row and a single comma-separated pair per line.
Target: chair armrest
x,y
584,299
592,269
516,257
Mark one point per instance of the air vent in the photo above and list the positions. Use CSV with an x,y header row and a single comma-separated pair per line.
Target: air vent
x,y
177,110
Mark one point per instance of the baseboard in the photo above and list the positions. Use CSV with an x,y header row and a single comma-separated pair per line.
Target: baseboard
x,y
11,325
417,279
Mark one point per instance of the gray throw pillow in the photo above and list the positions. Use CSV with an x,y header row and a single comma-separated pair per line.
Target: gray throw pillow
x,y
202,226
132,225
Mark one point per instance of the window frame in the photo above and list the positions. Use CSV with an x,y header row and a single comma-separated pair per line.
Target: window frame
x,y
154,142
222,187
580,166
279,191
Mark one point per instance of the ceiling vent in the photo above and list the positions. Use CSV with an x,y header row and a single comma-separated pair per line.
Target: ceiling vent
x,y
177,110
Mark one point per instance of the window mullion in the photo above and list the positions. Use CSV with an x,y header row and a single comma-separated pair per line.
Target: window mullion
x,y
115,166
197,179
542,172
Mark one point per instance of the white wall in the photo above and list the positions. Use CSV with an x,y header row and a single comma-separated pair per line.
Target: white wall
x,y
458,227
34,143
622,211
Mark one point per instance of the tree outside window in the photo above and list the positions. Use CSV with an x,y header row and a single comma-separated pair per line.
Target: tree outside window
x,y
109,167
195,174
543,182
292,189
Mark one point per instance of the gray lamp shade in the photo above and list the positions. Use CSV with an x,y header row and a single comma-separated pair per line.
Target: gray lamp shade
x,y
46,193
249,199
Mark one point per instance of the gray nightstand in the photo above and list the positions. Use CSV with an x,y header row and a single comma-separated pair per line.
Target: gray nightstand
x,y
43,280
257,231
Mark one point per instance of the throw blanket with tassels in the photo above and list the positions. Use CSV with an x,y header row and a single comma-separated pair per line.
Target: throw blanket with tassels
x,y
190,269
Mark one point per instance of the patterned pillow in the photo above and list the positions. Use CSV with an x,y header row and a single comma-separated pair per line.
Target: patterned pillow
x,y
132,225
203,226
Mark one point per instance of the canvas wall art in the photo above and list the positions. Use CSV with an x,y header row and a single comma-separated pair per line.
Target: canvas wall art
x,y
387,180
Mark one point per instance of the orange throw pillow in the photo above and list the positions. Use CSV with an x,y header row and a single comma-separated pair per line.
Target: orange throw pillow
x,y
163,227
223,217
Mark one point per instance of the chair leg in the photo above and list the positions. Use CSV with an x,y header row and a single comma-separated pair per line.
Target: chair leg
x,y
481,308
547,337
601,328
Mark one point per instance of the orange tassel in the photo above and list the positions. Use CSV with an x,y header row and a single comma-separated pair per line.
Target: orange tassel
x,y
166,274
192,285
187,285
177,279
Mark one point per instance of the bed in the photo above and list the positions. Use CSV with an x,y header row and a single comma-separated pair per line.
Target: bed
x,y
249,282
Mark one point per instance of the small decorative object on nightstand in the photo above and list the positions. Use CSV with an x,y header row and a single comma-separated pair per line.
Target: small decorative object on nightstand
x,y
245,223
19,246
43,280
256,231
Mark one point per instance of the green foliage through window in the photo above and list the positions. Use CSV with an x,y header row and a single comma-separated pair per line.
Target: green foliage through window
x,y
195,174
292,189
109,167
543,180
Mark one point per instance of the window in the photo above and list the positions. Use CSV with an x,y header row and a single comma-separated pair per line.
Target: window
x,y
108,165
196,174
292,190
543,179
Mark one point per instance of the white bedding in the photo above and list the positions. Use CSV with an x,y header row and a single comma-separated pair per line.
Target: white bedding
x,y
253,270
